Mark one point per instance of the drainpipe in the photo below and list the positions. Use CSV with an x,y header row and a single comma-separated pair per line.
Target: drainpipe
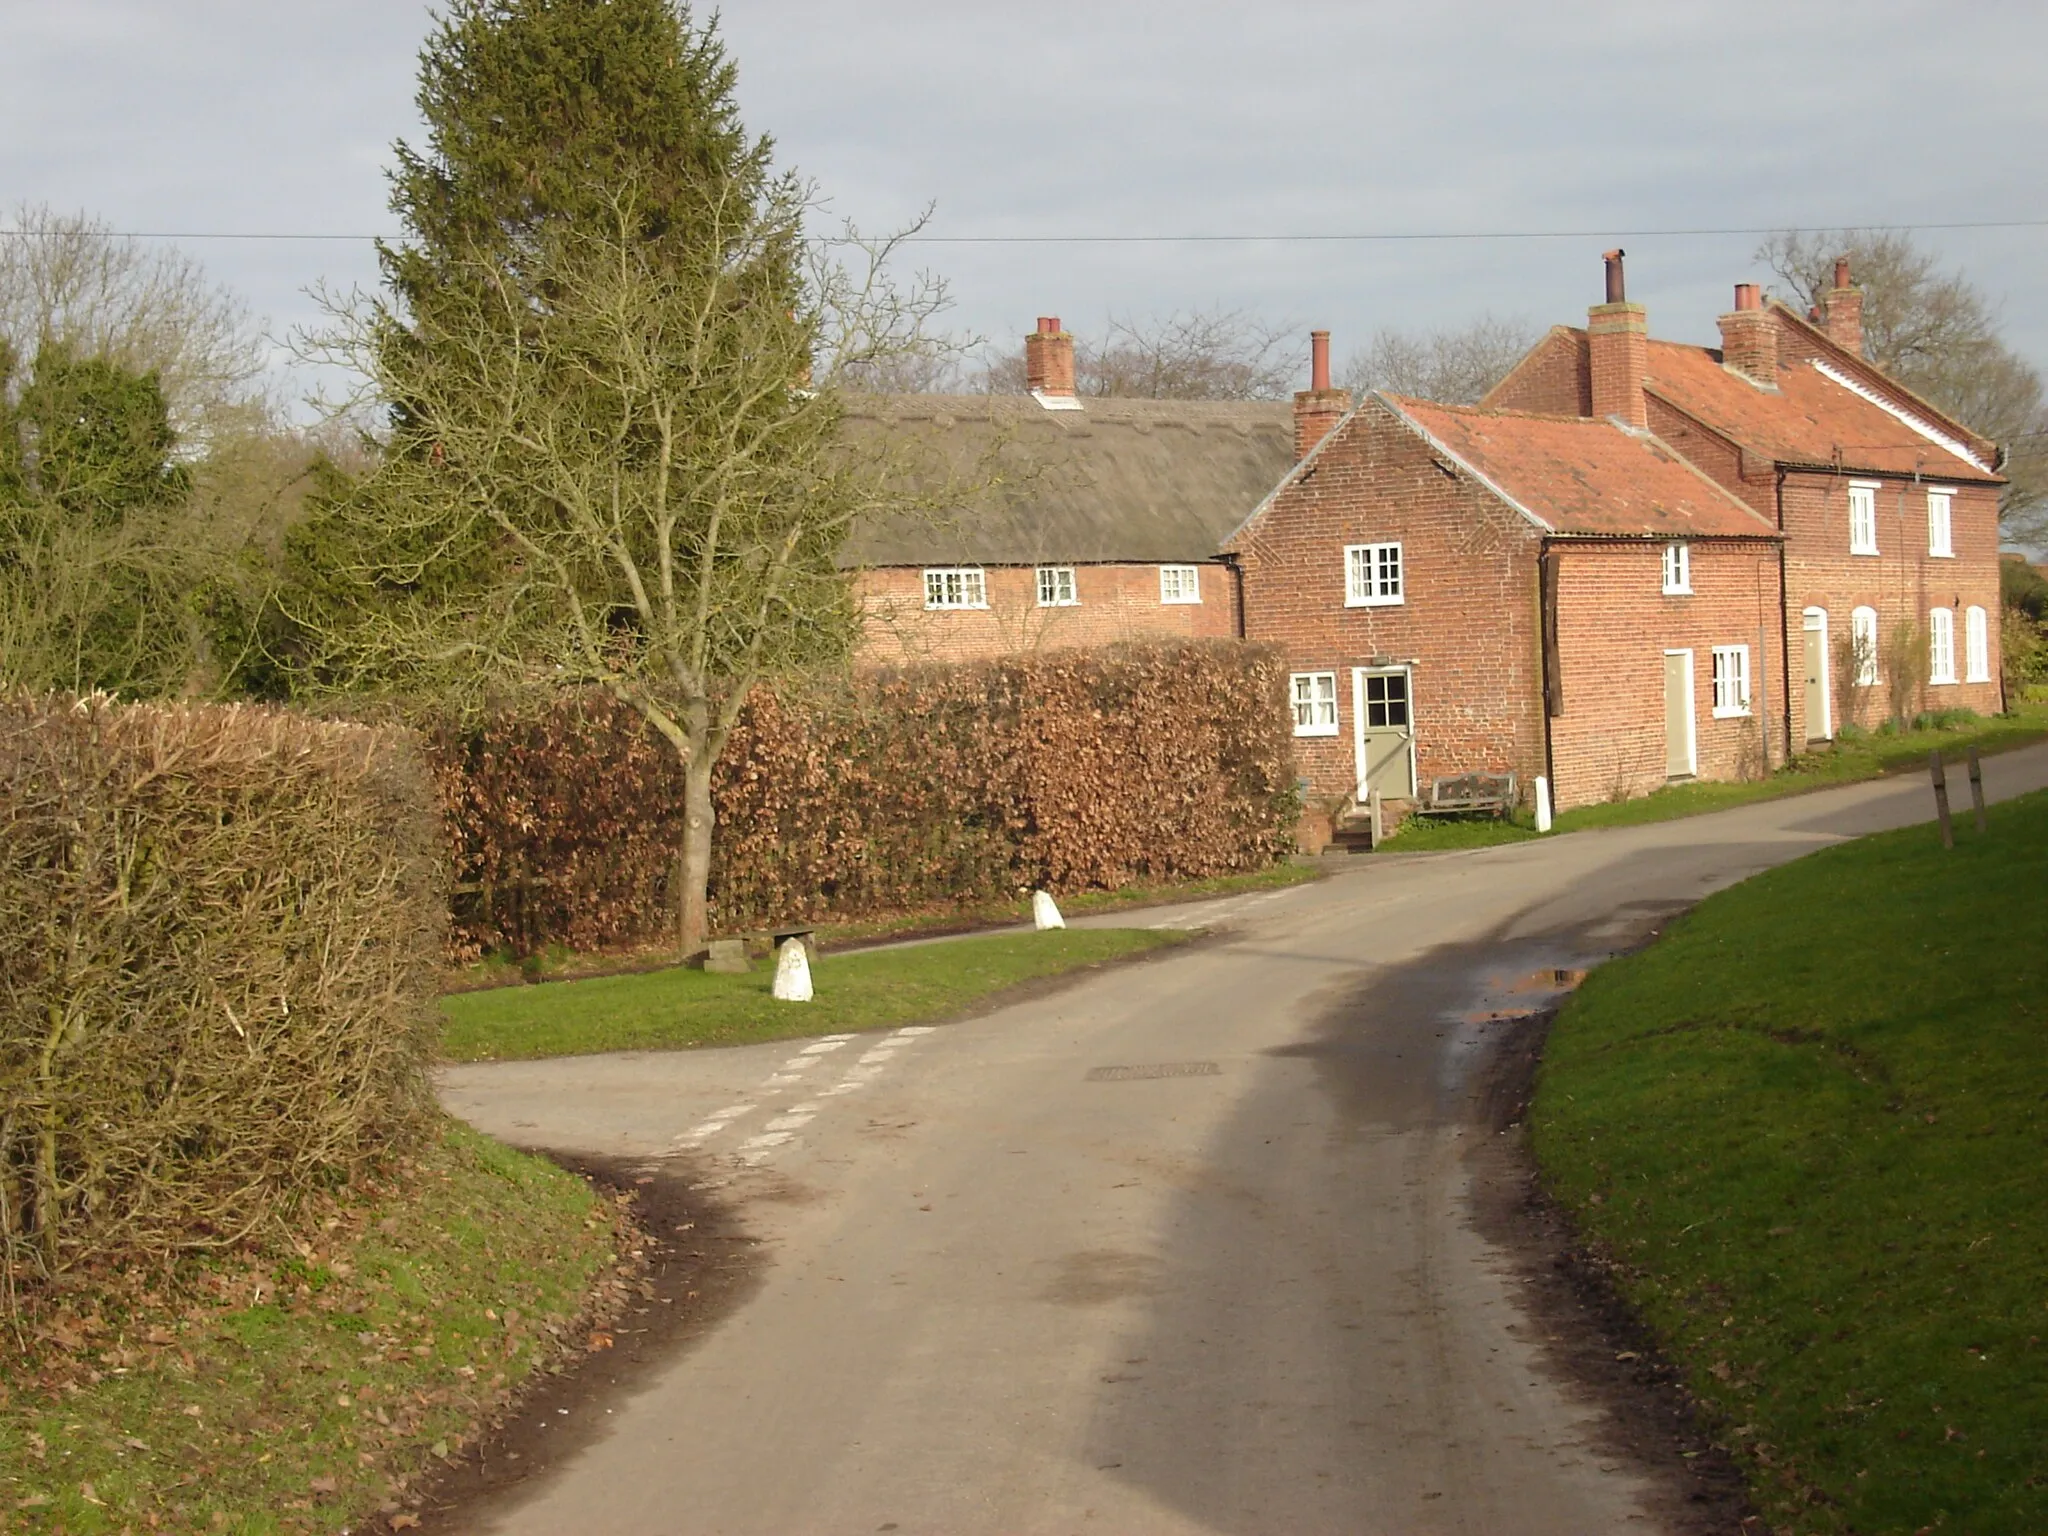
x,y
1784,627
1550,683
1237,586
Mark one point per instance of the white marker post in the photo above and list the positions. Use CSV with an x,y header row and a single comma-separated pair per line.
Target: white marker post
x,y
1542,804
792,973
1044,913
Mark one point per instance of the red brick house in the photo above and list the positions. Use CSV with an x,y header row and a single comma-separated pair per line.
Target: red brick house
x,y
1465,590
1888,506
1088,521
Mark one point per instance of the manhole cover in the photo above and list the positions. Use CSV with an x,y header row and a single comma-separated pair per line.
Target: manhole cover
x,y
1155,1069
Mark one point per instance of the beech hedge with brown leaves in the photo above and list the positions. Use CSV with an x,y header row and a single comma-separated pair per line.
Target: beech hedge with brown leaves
x,y
221,936
877,793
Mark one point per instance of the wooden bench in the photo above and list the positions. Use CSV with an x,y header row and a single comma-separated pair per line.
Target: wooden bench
x,y
1465,793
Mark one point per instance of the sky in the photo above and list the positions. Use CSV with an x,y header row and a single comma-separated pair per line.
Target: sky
x,y
1588,124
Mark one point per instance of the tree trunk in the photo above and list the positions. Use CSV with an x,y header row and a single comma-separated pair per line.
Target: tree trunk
x,y
694,868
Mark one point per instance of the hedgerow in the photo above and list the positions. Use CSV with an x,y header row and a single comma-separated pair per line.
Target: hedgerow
x,y
221,930
875,793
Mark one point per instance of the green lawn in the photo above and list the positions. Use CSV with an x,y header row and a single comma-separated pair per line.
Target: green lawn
x,y
281,1391
1811,1126
867,989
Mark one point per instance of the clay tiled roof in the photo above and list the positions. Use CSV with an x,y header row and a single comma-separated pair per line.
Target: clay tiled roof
x,y
1810,419
1143,481
1579,476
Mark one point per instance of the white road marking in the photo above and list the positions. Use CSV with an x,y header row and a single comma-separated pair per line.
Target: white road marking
x,y
791,1122
781,1130
829,1043
912,1031
764,1140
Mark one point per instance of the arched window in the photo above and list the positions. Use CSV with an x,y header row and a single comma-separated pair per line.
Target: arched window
x,y
1863,636
1976,647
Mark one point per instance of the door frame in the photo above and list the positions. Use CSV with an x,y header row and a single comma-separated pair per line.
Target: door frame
x,y
1692,719
1808,626
1358,677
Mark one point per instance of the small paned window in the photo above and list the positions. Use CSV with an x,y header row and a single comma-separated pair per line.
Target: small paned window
x,y
1976,647
956,587
1941,646
1315,703
1386,699
1863,639
1731,681
1678,570
1372,575
1180,584
1938,504
1056,586
1862,519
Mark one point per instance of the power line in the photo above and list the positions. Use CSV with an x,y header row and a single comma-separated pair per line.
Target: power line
x,y
1358,237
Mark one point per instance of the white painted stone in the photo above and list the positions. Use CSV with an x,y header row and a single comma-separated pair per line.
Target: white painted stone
x,y
1542,804
1044,913
793,973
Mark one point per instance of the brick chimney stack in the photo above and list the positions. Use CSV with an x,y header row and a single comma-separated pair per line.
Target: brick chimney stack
x,y
1845,311
1618,342
1749,338
1319,407
1049,361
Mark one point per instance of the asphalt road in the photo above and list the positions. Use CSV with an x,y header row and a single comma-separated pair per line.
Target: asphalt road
x,y
1184,1248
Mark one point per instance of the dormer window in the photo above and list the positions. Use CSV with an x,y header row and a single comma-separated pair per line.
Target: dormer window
x,y
1677,570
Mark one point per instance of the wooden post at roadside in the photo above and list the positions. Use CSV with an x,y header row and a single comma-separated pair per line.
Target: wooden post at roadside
x,y
1977,786
1372,812
1934,769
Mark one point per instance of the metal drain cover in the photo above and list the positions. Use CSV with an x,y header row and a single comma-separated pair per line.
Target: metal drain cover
x,y
1155,1069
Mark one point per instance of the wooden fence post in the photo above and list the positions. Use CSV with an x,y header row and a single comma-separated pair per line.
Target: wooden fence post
x,y
1934,769
1977,786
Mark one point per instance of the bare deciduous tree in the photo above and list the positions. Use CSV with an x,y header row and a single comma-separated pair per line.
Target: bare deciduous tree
x,y
1455,366
1216,354
658,494
65,278
1936,332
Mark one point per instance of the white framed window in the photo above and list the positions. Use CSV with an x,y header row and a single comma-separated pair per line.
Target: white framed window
x,y
1863,635
1315,703
1731,681
1941,646
1056,586
1976,646
1862,517
1372,575
1180,584
955,586
1938,504
1677,570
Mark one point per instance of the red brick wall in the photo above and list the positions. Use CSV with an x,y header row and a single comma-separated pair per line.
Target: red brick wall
x,y
1614,626
1553,379
1902,581
1468,627
1117,602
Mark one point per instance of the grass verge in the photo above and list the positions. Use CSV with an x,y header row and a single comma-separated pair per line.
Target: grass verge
x,y
302,1390
867,989
1807,1126
561,964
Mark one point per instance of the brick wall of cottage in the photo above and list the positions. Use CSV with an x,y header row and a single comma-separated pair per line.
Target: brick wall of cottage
x,y
1468,625
1902,581
1116,602
1552,380
1614,626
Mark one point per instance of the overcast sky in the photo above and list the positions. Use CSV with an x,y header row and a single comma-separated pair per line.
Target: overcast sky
x,y
1459,117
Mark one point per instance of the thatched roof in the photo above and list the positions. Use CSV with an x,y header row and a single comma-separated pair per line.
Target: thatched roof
x,y
1143,481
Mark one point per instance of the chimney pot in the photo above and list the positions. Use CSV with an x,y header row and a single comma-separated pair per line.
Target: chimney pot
x,y
1617,287
1747,296
1841,271
1319,407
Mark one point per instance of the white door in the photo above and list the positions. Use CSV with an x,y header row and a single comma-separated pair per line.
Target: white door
x,y
1383,731
1681,761
1820,710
